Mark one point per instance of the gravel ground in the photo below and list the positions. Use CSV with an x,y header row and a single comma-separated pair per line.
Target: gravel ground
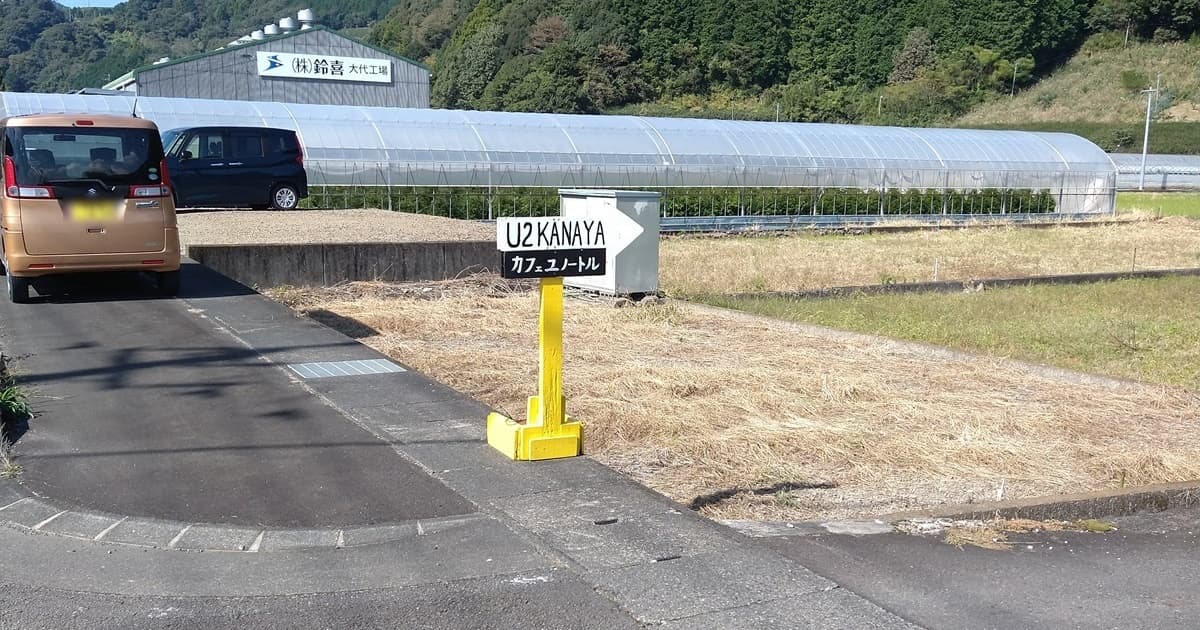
x,y
323,226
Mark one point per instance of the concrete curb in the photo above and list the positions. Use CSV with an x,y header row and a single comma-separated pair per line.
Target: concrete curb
x,y
1066,507
950,286
1069,507
24,512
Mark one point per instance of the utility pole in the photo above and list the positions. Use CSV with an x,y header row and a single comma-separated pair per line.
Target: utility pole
x,y
776,111
1013,90
1150,93
879,108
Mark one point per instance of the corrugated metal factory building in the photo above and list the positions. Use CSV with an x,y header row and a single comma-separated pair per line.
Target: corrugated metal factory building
x,y
285,64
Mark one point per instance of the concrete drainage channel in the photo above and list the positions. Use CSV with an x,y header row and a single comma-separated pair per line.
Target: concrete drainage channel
x,y
34,515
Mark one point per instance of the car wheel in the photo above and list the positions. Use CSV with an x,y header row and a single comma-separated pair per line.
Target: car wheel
x,y
285,197
168,283
18,289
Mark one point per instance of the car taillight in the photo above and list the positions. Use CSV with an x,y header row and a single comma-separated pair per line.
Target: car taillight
x,y
162,169
23,192
300,152
149,191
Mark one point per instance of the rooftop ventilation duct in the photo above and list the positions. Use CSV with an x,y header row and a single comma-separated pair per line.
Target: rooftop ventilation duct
x,y
258,36
287,24
271,29
307,18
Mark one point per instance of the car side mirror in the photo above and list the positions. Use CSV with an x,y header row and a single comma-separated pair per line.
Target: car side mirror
x,y
186,155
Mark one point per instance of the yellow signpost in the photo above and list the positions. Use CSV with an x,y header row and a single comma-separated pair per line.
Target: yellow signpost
x,y
549,432
552,248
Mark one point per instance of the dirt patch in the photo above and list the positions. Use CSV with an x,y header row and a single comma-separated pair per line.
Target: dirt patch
x,y
1183,112
324,226
694,402
997,534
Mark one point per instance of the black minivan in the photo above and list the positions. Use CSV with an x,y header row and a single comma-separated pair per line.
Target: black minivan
x,y
257,167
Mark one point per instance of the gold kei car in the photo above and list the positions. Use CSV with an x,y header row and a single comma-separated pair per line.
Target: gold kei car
x,y
85,193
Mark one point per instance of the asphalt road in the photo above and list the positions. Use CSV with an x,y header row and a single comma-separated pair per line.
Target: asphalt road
x,y
146,407
1144,575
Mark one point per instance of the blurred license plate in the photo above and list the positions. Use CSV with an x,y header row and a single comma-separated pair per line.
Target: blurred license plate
x,y
93,211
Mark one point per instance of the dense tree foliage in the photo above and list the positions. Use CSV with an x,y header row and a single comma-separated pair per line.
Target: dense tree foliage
x,y
878,61
916,61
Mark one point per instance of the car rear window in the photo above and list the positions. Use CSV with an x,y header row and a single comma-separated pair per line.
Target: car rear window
x,y
114,156
282,142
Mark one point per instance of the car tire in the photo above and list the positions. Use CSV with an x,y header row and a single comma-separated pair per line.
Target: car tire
x,y
18,289
284,197
168,283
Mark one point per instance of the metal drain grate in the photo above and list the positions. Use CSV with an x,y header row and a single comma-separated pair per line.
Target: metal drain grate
x,y
327,369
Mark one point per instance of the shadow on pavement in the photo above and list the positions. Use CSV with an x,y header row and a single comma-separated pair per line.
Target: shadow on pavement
x,y
122,363
195,282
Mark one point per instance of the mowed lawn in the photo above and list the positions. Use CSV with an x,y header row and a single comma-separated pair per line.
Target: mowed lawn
x,y
1137,329
1177,204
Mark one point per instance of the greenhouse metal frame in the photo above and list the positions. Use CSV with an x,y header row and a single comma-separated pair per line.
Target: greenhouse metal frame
x,y
486,153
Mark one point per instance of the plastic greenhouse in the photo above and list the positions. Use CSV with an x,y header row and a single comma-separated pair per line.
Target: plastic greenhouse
x,y
405,148
1163,172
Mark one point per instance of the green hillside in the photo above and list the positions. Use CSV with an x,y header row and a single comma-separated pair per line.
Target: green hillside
x,y
1103,84
1098,95
819,60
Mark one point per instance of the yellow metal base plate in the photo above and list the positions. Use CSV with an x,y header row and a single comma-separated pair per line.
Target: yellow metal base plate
x,y
533,442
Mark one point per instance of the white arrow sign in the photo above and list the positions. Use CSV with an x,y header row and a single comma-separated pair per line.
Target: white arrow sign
x,y
614,231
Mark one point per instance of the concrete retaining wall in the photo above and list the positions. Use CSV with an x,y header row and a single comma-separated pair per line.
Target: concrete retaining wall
x,y
326,264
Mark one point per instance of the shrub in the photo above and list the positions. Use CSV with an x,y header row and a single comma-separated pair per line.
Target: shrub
x,y
1134,81
1108,40
1121,139
473,203
1166,35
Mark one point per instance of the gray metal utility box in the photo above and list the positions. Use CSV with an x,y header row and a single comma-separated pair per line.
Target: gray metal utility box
x,y
633,270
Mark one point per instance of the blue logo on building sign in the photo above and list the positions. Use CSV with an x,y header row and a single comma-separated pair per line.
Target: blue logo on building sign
x,y
273,62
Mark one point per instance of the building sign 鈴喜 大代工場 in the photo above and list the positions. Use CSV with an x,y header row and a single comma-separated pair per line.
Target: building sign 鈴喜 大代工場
x,y
324,67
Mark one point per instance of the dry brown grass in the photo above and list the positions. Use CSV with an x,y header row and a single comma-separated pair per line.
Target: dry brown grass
x,y
691,401
696,266
1089,88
